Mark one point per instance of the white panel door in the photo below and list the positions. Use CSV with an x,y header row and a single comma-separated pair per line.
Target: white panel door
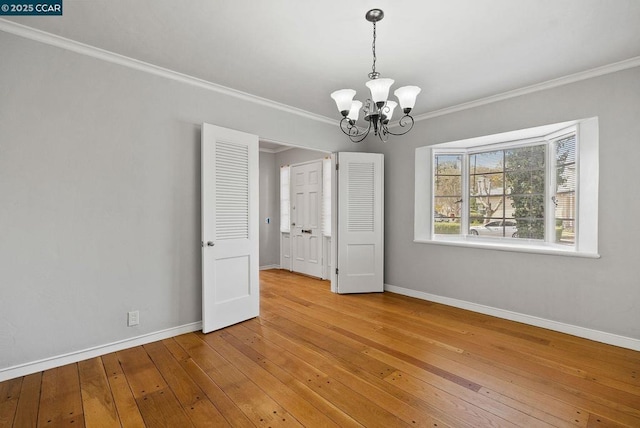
x,y
360,247
306,213
230,284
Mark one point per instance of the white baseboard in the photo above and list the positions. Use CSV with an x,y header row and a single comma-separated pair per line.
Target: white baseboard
x,y
96,351
586,333
267,267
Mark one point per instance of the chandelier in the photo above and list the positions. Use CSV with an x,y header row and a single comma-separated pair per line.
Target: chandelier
x,y
377,110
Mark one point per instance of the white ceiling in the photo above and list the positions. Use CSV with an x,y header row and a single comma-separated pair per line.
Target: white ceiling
x,y
297,52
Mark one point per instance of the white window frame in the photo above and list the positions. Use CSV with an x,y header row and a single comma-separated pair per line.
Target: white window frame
x,y
586,217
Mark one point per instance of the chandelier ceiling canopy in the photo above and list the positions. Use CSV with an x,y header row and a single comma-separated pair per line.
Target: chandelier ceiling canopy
x,y
378,110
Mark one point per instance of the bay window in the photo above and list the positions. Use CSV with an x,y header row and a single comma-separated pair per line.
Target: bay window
x,y
528,190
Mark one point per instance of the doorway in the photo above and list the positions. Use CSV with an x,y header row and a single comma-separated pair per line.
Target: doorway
x,y
276,242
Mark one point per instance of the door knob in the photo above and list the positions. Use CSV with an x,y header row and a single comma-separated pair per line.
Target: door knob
x,y
210,244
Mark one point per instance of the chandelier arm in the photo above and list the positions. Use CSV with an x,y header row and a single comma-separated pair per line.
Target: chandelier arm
x,y
356,138
383,135
352,131
405,120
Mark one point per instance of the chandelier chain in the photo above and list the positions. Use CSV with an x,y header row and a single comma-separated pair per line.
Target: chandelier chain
x,y
373,48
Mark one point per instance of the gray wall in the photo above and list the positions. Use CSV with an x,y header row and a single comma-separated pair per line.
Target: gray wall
x,y
601,294
100,196
269,207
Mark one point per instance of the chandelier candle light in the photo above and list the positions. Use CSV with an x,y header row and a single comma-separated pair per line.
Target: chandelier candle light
x,y
378,109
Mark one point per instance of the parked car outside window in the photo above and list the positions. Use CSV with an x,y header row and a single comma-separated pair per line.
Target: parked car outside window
x,y
496,228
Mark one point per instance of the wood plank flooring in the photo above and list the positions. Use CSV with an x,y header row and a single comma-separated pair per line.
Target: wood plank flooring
x,y
318,359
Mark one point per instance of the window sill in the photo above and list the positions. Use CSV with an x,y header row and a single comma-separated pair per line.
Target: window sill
x,y
540,248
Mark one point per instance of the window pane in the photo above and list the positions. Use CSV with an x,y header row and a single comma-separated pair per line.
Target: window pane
x,y
486,206
525,182
448,164
447,200
487,184
565,196
500,228
486,162
525,158
446,207
476,220
446,228
529,229
486,187
528,212
566,150
447,185
525,179
507,190
527,206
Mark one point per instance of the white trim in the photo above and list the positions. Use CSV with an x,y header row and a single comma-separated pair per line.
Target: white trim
x,y
574,330
285,259
504,245
549,84
92,51
294,146
326,257
284,185
273,151
96,351
268,267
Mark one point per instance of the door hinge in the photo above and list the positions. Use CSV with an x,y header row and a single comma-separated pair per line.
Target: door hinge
x,y
336,271
337,166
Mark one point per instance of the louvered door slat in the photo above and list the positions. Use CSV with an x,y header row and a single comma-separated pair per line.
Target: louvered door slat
x,y
232,191
361,197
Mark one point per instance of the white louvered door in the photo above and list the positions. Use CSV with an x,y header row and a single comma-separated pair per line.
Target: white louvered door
x,y
230,284
360,258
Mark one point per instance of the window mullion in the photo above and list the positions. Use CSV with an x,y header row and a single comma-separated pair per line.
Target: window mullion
x,y
549,203
464,206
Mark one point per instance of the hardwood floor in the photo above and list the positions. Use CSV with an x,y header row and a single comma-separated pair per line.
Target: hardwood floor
x,y
318,359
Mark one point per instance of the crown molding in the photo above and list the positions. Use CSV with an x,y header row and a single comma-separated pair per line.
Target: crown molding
x,y
549,84
94,52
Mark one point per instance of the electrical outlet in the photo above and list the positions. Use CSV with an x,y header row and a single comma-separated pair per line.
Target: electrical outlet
x,y
133,318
